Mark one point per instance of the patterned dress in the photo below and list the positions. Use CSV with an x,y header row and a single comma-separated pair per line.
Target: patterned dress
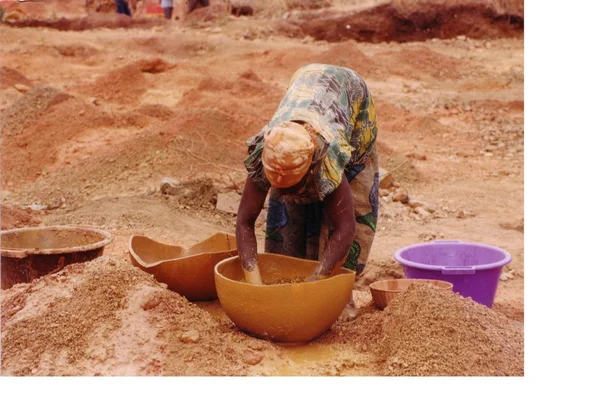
x,y
336,102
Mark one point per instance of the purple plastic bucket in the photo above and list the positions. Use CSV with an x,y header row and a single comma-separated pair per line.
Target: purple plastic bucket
x,y
474,269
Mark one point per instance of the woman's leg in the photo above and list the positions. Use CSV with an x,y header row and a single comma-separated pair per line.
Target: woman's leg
x,y
168,12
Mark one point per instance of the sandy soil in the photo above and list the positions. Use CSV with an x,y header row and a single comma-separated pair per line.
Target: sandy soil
x,y
93,119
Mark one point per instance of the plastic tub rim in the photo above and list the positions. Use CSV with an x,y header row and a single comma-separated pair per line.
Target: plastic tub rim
x,y
312,283
21,252
373,285
156,263
398,257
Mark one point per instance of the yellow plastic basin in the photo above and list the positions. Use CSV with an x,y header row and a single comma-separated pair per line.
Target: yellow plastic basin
x,y
282,312
189,272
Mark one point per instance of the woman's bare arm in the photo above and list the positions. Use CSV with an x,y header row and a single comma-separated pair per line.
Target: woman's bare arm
x,y
251,204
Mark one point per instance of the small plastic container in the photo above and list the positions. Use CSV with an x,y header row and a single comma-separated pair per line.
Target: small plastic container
x,y
384,291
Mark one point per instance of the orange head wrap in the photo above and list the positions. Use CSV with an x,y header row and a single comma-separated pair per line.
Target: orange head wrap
x,y
287,154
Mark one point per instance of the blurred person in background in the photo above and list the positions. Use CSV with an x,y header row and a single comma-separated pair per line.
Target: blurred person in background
x,y
123,7
167,6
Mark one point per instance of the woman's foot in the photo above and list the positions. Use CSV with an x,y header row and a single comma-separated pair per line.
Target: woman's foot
x,y
350,311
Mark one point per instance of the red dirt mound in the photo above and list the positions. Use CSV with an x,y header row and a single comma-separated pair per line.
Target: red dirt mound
x,y
349,55
10,77
425,126
195,194
124,85
388,22
95,21
47,9
434,332
221,129
32,146
212,11
206,14
254,100
177,47
154,66
307,5
204,140
76,50
16,217
22,9
127,84
288,60
189,144
100,6
346,54
158,111
29,107
414,61
250,75
107,317
430,332
492,106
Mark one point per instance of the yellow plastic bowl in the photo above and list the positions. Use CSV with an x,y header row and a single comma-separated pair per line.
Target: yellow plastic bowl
x,y
189,272
286,312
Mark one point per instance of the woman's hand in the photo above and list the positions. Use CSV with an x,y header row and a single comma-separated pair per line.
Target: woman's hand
x,y
251,205
317,275
253,276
